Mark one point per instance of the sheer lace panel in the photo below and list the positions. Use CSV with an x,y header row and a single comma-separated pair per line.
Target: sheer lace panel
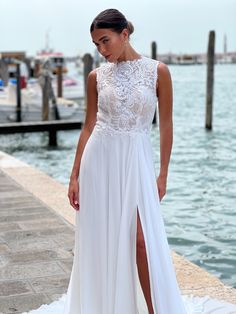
x,y
127,95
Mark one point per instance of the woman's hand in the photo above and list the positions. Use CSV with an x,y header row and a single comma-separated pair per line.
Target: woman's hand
x,y
161,185
73,193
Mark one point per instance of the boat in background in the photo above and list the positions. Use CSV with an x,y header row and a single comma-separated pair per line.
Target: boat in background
x,y
56,58
70,105
72,83
31,103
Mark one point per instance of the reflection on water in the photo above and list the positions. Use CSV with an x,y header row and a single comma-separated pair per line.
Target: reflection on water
x,y
199,208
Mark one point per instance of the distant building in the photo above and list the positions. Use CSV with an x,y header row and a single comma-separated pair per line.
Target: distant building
x,y
196,58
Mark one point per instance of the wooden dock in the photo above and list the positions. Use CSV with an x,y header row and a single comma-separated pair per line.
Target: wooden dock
x,y
52,127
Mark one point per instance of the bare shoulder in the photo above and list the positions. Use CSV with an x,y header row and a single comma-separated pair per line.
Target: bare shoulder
x,y
164,81
163,72
92,75
91,106
92,82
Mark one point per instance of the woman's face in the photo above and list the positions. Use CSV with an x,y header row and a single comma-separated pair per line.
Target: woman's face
x,y
109,43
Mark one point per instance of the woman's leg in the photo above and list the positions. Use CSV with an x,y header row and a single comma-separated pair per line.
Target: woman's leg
x,y
142,264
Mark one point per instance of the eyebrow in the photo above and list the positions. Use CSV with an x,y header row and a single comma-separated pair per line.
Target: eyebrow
x,y
100,38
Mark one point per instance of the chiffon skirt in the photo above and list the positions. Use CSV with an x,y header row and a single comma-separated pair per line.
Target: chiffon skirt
x,y
117,180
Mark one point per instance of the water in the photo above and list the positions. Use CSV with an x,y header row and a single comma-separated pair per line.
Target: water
x,y
199,207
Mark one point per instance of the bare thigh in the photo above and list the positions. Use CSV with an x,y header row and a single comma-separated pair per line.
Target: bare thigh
x,y
140,237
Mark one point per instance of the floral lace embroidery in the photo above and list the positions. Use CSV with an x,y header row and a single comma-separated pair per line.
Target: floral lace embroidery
x,y
126,96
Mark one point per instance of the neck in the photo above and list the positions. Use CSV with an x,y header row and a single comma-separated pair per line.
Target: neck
x,y
128,54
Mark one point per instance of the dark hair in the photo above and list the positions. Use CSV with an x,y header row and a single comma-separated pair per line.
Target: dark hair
x,y
112,18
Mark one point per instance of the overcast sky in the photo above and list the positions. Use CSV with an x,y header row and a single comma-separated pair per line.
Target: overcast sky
x,y
179,26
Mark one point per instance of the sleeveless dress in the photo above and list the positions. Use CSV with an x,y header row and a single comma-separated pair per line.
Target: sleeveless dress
x,y
117,179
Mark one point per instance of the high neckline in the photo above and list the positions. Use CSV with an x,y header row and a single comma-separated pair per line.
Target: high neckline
x,y
129,61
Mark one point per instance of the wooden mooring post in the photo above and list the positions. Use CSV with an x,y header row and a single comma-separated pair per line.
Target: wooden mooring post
x,y
4,75
52,138
154,56
59,78
88,66
18,92
154,50
210,80
45,97
45,81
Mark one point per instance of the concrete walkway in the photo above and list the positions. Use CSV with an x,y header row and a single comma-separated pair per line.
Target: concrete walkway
x,y
37,241
35,250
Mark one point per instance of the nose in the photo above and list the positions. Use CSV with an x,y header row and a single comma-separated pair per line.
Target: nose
x,y
102,50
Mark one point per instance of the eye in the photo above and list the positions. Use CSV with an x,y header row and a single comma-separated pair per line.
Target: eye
x,y
104,41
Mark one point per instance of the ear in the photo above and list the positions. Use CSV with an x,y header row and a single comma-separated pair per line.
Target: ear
x,y
125,34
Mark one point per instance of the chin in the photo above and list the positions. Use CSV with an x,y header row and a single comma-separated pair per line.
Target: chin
x,y
111,59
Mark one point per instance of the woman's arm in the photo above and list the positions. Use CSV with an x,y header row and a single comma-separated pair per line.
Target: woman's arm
x,y
90,120
165,106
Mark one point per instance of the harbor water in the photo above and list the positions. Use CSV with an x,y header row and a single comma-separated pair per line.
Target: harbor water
x,y
199,208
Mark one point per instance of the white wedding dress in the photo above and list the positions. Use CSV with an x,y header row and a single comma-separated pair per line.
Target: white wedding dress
x,y
117,178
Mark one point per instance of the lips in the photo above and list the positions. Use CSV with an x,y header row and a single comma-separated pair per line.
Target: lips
x,y
107,56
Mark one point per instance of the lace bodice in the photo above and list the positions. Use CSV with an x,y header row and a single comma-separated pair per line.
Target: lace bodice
x,y
127,95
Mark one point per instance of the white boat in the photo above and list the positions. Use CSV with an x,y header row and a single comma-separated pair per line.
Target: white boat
x,y
31,104
72,88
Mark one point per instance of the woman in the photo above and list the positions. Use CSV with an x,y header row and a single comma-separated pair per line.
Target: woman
x,y
118,194
117,198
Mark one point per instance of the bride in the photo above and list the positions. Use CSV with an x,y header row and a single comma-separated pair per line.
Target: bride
x,y
115,193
